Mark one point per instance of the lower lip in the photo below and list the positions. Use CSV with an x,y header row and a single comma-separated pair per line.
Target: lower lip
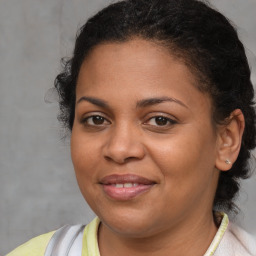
x,y
124,194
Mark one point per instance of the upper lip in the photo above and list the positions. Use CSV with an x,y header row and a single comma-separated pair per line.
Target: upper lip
x,y
127,178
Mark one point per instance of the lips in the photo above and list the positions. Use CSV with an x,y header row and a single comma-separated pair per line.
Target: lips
x,y
125,187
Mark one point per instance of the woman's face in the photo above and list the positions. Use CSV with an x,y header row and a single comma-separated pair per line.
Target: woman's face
x,y
143,143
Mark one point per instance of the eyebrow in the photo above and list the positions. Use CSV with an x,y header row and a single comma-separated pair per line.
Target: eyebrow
x,y
94,101
154,101
140,104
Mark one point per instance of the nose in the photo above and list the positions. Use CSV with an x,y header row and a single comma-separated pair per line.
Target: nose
x,y
123,145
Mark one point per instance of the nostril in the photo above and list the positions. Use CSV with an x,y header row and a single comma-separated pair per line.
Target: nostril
x,y
107,158
129,158
121,148
121,160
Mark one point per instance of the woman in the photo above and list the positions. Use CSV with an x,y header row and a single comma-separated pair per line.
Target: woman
x,y
159,103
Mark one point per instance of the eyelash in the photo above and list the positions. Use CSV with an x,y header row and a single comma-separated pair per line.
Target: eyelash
x,y
86,123
166,120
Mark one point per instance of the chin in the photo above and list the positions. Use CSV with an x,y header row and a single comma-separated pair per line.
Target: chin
x,y
129,224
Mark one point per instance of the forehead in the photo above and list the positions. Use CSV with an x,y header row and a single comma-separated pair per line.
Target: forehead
x,y
136,55
138,49
138,67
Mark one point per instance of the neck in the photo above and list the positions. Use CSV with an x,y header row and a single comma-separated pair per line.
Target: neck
x,y
188,238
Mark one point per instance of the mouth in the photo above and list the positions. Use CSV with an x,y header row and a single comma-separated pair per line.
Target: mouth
x,y
125,187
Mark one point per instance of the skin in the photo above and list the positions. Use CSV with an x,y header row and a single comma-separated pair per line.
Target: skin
x,y
181,155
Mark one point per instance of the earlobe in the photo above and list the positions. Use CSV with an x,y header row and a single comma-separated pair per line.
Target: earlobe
x,y
229,140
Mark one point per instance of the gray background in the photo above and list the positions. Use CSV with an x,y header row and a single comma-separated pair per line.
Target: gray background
x,y
37,184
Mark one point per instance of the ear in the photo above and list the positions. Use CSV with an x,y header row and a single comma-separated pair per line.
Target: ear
x,y
229,140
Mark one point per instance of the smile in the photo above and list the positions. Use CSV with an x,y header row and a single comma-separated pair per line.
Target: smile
x,y
125,187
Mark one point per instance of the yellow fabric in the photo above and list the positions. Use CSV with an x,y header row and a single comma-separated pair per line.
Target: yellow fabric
x,y
34,247
37,246
220,233
90,239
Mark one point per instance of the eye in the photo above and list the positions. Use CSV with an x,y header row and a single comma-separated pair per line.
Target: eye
x,y
161,121
95,120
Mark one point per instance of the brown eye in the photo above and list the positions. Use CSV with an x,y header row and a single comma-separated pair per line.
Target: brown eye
x,y
161,121
95,120
98,120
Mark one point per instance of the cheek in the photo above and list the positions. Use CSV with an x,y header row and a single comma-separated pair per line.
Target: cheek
x,y
187,171
185,157
84,153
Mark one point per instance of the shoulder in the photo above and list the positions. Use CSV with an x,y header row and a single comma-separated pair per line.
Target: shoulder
x,y
34,247
67,238
243,240
237,242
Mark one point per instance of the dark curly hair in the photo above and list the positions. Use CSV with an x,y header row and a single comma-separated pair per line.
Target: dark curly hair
x,y
199,36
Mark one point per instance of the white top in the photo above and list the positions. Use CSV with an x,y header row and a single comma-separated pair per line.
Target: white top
x,y
230,240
